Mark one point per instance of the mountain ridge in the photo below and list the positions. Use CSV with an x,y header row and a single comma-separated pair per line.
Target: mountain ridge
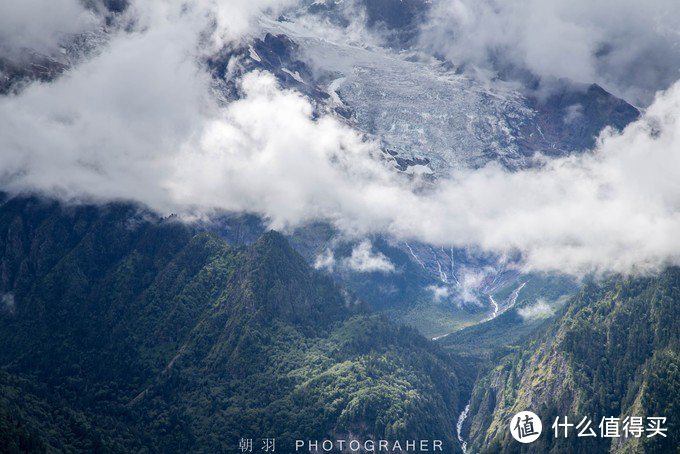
x,y
130,332
605,355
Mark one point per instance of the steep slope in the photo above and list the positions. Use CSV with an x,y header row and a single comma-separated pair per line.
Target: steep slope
x,y
124,332
612,353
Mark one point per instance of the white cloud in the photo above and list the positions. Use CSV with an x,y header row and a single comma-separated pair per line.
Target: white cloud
x,y
630,47
325,261
40,24
364,259
107,128
8,303
540,309
139,122
226,22
470,283
439,293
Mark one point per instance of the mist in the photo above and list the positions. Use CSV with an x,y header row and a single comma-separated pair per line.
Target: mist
x,y
140,122
40,25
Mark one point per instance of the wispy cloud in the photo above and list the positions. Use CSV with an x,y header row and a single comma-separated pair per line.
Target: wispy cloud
x,y
325,260
540,309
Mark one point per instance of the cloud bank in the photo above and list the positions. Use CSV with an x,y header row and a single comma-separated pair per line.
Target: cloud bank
x,y
139,121
631,48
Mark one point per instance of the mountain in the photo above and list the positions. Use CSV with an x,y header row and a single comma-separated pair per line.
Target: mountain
x,y
122,331
425,110
430,118
387,91
612,352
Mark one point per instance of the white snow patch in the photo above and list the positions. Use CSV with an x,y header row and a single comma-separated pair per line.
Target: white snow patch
x,y
333,87
253,54
295,75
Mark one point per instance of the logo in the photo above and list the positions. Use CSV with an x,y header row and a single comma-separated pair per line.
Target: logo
x,y
525,426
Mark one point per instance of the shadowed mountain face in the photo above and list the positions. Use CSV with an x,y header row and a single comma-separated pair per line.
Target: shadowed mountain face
x,y
612,352
571,118
122,331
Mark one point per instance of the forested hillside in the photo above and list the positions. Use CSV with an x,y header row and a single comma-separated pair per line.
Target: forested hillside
x,y
123,332
613,352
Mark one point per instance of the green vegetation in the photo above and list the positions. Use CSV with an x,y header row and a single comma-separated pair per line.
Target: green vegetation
x,y
613,351
122,332
434,318
491,340
550,288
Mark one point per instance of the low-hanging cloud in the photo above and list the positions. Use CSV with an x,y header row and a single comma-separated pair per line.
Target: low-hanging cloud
x,y
40,25
540,309
630,47
139,122
364,259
